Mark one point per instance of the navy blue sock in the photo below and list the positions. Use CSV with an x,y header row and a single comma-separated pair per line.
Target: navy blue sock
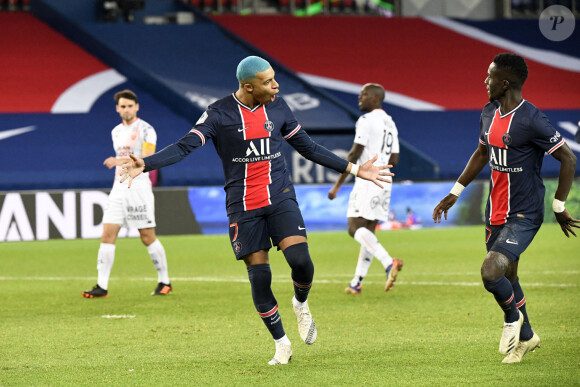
x,y
526,333
261,280
503,292
299,260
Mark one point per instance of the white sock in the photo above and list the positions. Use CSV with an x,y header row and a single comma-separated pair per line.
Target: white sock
x,y
283,340
369,241
105,260
365,258
157,253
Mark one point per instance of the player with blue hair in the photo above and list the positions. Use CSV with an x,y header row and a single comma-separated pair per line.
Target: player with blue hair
x,y
248,129
249,67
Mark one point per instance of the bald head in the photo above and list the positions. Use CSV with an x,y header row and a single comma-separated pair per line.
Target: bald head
x,y
375,90
371,97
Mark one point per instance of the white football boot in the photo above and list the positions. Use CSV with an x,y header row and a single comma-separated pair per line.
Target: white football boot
x,y
523,347
510,336
306,325
283,354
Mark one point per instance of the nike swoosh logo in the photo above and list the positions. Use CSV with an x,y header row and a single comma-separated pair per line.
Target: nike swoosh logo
x,y
301,228
511,242
15,132
486,133
242,129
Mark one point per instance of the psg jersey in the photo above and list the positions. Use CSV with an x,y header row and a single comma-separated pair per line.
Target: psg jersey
x,y
249,144
516,142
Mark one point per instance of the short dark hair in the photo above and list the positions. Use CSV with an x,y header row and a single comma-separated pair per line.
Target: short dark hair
x,y
376,90
127,94
515,65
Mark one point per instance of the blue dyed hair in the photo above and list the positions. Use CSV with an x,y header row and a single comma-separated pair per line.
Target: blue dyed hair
x,y
250,66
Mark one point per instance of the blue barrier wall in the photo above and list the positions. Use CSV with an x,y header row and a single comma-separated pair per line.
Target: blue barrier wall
x,y
322,214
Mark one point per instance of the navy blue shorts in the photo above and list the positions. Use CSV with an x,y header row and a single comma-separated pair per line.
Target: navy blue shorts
x,y
512,238
251,231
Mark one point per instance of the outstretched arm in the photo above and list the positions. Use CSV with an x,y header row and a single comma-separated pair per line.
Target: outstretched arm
x,y
472,169
320,155
353,156
567,161
371,172
171,154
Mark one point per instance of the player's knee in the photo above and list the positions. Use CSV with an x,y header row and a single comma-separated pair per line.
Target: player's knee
x,y
147,236
352,229
147,241
494,266
298,257
260,276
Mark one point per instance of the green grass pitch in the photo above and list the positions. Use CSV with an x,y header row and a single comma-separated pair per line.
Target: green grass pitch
x,y
437,326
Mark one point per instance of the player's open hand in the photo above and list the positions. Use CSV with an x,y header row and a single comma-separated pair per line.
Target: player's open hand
x,y
110,162
132,168
567,222
444,206
375,173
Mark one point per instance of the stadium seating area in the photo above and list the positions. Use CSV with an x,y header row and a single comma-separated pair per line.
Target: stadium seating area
x,y
14,5
298,7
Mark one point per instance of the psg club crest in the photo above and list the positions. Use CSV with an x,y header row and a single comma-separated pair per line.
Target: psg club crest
x,y
269,126
507,139
237,247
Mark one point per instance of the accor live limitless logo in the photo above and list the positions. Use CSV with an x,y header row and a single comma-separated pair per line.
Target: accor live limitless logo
x,y
258,151
43,215
498,160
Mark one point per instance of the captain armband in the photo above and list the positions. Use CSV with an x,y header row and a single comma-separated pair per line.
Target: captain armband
x,y
558,206
457,189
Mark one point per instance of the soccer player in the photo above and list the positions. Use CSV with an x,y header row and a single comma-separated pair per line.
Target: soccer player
x,y
248,128
513,137
376,133
133,208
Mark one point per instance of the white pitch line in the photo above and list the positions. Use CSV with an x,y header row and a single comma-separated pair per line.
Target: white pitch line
x,y
281,279
117,316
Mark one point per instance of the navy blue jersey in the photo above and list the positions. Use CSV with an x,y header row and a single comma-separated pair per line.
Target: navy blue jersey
x,y
249,143
516,143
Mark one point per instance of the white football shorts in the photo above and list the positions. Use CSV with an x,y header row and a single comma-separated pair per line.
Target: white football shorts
x,y
369,201
131,208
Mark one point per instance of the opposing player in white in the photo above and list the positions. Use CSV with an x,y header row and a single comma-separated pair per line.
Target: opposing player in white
x,y
130,208
376,134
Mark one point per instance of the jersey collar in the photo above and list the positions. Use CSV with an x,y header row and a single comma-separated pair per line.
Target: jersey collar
x,y
513,110
245,106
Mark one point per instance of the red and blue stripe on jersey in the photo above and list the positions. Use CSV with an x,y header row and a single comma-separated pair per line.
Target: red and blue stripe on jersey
x,y
499,200
516,143
258,174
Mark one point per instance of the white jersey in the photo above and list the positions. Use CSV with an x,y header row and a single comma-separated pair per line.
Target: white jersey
x,y
129,139
376,131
